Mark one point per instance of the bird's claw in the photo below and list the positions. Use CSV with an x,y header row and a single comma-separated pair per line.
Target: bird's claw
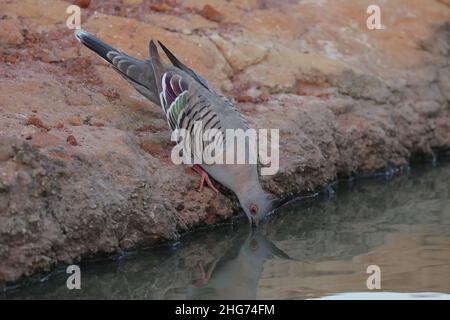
x,y
204,178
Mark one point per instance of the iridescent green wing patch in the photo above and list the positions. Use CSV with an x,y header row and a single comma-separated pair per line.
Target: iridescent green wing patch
x,y
176,109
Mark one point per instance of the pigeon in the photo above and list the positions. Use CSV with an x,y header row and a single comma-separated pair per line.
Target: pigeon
x,y
187,98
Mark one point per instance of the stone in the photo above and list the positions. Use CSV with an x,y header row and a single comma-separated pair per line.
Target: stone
x,y
72,141
37,122
75,121
212,14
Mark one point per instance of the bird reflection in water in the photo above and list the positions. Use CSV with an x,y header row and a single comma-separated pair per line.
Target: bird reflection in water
x,y
236,274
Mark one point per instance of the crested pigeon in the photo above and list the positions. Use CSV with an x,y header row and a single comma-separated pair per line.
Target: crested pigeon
x,y
185,98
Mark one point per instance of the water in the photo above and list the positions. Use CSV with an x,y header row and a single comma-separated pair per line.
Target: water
x,y
311,249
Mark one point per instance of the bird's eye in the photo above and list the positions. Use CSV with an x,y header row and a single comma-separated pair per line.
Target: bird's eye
x,y
254,209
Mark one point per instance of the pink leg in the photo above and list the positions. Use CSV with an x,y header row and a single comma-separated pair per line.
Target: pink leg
x,y
205,276
204,178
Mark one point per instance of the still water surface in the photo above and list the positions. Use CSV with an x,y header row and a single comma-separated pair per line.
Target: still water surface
x,y
311,249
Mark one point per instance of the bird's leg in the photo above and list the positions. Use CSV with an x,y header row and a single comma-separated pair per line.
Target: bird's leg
x,y
202,281
204,178
205,276
211,269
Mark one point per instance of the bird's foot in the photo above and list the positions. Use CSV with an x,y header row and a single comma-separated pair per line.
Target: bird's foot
x,y
205,277
204,178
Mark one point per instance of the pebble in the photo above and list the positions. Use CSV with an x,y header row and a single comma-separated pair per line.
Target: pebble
x,y
72,141
212,14
37,122
75,121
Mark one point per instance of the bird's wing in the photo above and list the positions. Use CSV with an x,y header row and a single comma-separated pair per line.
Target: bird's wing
x,y
190,103
184,103
138,73
187,98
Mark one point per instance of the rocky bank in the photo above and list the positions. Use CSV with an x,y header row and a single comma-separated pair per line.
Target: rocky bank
x,y
85,161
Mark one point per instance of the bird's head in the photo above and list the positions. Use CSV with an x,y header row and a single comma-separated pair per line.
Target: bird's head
x,y
257,204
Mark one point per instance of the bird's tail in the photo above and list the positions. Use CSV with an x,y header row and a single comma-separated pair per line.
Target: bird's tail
x,y
139,73
95,44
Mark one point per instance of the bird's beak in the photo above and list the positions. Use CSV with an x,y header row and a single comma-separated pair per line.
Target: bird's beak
x,y
253,222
